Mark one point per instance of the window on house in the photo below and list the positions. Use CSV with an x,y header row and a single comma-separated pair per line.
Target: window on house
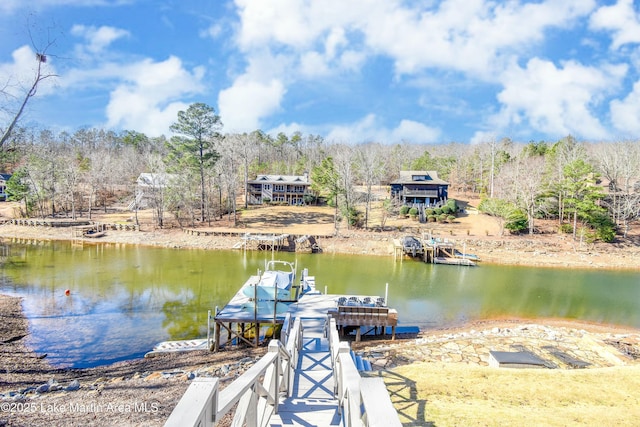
x,y
278,187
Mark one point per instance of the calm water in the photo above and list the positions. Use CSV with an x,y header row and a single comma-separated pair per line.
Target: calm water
x,y
124,299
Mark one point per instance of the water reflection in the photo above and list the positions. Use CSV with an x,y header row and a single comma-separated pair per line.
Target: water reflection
x,y
124,299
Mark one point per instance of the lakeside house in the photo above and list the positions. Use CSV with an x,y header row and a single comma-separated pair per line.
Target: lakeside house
x,y
148,186
289,189
420,187
4,177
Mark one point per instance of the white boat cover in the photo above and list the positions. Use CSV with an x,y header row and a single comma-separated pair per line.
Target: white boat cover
x,y
275,278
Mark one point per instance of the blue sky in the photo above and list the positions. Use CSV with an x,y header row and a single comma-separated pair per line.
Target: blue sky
x,y
361,70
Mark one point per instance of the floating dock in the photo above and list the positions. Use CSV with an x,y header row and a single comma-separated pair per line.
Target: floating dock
x,y
252,315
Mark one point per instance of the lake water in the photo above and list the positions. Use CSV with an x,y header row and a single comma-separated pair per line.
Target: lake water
x,y
124,299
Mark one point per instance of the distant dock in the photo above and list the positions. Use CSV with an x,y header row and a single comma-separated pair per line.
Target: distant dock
x,y
432,250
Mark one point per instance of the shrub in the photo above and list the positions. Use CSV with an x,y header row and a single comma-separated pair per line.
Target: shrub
x,y
453,204
442,217
438,211
431,218
605,228
266,200
447,210
413,211
517,222
451,218
566,228
606,234
404,210
428,212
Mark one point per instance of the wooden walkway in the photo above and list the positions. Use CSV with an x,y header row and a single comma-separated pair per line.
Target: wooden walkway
x,y
312,401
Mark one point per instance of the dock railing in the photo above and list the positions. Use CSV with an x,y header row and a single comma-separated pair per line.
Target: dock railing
x,y
362,401
256,392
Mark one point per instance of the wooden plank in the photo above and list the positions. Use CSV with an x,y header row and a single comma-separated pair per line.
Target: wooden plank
x,y
307,412
377,404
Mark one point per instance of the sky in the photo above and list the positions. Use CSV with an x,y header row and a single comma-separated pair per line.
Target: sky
x,y
421,71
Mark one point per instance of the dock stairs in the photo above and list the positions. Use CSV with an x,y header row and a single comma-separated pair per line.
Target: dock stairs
x,y
312,379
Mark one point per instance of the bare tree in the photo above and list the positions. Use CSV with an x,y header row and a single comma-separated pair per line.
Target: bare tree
x,y
245,148
521,182
41,73
370,168
344,162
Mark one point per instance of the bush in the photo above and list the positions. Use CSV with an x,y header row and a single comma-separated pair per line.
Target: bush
x,y
266,200
438,211
442,217
428,212
447,210
404,210
431,218
606,234
517,222
566,228
413,212
453,204
605,228
451,218
354,216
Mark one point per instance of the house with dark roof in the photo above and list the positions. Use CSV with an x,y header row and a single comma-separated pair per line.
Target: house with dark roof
x,y
4,177
422,187
289,189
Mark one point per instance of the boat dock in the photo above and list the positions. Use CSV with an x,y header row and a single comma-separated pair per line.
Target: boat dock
x,y
432,250
240,318
260,309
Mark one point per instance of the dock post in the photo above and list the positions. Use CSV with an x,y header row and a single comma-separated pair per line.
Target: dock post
x,y
386,294
209,329
216,336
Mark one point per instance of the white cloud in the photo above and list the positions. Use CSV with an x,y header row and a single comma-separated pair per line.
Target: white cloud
x,y
98,38
556,101
472,36
247,101
625,113
478,38
621,19
368,129
148,97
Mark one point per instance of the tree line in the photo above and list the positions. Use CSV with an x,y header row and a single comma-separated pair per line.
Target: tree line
x,y
591,189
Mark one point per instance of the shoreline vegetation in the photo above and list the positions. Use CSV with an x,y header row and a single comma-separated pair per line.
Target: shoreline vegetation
x,y
144,391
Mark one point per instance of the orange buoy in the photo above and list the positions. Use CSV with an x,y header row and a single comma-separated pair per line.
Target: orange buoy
x,y
67,292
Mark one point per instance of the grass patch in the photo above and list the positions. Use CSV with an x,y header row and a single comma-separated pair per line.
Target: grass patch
x,y
457,394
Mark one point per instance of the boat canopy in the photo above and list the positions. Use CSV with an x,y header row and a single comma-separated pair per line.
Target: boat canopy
x,y
279,279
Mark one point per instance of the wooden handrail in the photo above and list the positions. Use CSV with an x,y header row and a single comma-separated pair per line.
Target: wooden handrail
x,y
352,395
256,392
